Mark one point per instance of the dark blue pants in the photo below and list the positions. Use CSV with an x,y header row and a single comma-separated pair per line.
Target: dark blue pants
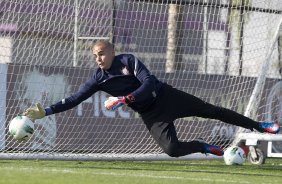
x,y
172,104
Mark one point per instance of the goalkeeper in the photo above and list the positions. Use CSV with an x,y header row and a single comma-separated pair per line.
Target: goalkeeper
x,y
130,83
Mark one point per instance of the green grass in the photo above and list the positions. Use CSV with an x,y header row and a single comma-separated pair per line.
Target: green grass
x,y
133,172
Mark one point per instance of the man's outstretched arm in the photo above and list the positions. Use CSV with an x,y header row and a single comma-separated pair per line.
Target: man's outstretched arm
x,y
38,112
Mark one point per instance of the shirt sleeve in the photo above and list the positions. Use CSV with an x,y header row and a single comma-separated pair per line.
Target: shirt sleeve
x,y
85,91
148,81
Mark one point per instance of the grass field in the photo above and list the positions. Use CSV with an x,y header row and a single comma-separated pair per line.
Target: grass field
x,y
143,172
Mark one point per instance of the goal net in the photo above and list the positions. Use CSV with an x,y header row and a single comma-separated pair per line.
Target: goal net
x,y
213,49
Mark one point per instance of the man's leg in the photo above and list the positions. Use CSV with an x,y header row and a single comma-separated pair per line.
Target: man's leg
x,y
165,135
188,105
206,110
185,105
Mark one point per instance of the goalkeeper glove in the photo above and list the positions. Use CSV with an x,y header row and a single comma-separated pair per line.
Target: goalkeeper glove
x,y
34,113
115,102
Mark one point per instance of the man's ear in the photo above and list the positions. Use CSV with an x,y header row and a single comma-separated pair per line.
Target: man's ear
x,y
113,53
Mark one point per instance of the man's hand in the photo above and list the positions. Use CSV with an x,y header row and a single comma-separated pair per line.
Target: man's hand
x,y
34,113
115,102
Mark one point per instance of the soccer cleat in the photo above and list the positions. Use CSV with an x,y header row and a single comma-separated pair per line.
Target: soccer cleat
x,y
211,149
269,127
215,150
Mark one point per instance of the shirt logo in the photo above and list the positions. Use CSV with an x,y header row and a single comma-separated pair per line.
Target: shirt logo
x,y
125,71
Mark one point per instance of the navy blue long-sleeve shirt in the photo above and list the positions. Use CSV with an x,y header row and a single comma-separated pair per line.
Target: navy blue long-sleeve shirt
x,y
127,75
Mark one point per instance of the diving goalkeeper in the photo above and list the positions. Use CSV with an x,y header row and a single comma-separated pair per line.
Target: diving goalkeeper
x,y
130,83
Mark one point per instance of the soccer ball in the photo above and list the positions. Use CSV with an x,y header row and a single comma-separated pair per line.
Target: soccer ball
x,y
21,128
234,155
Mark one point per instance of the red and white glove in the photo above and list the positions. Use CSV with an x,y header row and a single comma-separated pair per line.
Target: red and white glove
x,y
115,102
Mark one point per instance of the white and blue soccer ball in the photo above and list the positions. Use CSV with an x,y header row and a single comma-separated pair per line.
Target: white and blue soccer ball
x,y
234,155
21,128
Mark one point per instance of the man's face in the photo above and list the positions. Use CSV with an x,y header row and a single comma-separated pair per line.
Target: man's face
x,y
104,56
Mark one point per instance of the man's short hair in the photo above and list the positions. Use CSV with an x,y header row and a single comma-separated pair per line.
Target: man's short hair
x,y
103,42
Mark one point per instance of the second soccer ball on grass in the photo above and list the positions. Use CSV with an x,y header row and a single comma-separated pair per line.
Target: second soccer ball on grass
x,y
234,155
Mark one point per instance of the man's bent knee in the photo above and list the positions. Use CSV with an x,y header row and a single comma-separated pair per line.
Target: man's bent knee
x,y
172,150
